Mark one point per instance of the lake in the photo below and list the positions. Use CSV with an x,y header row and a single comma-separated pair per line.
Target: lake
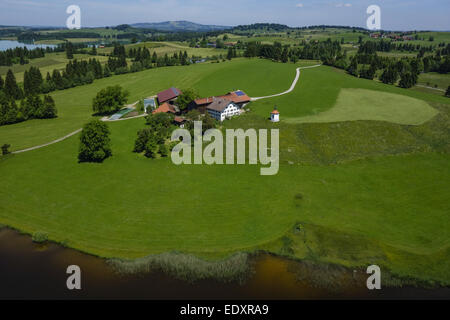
x,y
11,44
33,271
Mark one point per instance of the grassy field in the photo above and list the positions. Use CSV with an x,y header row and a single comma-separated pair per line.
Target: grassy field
x,y
75,105
126,206
318,90
435,80
162,48
362,104
363,192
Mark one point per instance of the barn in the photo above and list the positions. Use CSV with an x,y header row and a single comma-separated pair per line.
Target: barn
x,y
168,95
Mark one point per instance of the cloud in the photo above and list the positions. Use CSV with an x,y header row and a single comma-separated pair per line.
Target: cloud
x,y
299,5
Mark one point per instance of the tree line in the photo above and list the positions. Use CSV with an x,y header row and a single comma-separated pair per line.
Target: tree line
x,y
366,63
370,47
405,70
20,55
31,106
324,50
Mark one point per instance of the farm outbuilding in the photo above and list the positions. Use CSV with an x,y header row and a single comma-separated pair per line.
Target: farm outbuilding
x,y
166,108
168,95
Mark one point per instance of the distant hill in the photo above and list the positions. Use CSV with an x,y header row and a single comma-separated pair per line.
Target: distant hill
x,y
179,26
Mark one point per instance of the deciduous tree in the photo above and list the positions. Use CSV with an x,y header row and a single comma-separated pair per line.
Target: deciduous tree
x,y
186,98
110,100
94,142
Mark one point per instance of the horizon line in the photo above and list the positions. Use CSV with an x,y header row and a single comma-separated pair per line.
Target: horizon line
x,y
231,26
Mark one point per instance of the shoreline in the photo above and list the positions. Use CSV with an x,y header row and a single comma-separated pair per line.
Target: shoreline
x,y
184,267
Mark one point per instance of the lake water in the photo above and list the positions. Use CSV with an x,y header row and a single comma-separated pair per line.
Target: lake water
x,y
11,44
32,271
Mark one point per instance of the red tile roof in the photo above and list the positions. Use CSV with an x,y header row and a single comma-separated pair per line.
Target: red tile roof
x,y
219,104
179,119
164,108
203,101
168,94
232,96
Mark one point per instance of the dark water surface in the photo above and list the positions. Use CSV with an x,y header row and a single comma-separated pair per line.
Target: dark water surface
x,y
31,271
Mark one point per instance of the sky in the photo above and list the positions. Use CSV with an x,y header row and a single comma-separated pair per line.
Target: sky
x,y
395,14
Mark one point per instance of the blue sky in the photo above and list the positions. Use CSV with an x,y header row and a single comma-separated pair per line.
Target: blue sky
x,y
395,14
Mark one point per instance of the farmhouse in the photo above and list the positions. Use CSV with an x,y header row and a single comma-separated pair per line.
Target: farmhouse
x,y
238,97
168,95
221,109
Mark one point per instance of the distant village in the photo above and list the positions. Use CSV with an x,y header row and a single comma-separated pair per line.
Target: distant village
x,y
394,37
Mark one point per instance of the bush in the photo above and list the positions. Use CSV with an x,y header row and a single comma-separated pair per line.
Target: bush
x,y
140,107
186,98
287,249
5,148
142,139
163,150
39,237
299,196
151,147
94,142
48,109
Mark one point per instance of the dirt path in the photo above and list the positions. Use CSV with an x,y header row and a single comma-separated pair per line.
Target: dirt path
x,y
105,119
297,76
48,144
437,89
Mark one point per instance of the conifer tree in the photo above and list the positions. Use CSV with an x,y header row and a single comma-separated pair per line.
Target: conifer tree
x,y
48,108
69,50
11,115
11,88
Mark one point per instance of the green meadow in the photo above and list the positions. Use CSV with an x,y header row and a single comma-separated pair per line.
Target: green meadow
x,y
363,185
75,105
363,104
162,48
435,80
318,90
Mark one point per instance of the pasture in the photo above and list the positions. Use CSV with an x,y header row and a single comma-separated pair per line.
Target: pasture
x,y
362,104
75,105
162,48
369,191
318,90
